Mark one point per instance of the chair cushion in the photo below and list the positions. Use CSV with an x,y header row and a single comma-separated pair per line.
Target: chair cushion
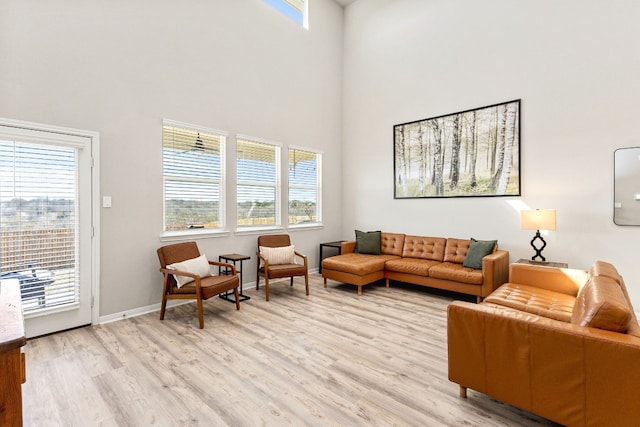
x,y
279,255
198,265
285,270
210,286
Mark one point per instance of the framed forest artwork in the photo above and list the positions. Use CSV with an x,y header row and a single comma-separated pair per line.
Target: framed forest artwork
x,y
473,153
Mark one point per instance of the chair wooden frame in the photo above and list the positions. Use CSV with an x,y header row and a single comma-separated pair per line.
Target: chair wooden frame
x,y
281,271
170,290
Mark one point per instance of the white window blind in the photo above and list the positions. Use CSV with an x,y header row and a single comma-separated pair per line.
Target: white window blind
x,y
39,222
304,186
193,169
258,181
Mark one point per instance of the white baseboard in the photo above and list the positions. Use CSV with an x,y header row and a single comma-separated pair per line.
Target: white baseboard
x,y
156,307
139,311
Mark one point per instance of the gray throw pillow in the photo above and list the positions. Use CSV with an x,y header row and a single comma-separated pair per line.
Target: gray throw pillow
x,y
368,242
478,249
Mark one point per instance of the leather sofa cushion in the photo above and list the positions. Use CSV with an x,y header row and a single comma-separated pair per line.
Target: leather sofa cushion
x,y
419,267
359,264
533,300
601,268
456,250
601,304
456,272
392,243
430,248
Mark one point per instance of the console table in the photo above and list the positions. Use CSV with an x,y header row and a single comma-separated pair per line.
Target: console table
x,y
233,258
12,362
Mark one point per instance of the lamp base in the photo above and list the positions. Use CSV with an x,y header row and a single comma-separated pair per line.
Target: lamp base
x,y
538,250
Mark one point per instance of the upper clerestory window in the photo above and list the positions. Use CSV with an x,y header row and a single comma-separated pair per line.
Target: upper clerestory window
x,y
294,9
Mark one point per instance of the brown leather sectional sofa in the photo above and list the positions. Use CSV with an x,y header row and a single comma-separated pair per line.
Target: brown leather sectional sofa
x,y
428,261
561,343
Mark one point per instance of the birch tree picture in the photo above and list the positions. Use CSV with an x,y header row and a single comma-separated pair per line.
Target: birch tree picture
x,y
466,154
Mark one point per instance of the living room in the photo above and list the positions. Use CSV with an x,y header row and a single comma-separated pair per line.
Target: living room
x,y
338,87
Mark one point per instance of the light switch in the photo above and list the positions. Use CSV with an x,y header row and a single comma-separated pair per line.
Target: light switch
x,y
106,201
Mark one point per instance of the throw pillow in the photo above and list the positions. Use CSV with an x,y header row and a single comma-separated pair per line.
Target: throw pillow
x,y
199,266
368,242
279,255
478,249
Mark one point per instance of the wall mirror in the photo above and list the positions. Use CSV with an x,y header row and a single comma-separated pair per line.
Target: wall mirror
x,y
626,186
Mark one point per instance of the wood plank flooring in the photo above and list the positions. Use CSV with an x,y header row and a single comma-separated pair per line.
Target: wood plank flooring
x,y
330,359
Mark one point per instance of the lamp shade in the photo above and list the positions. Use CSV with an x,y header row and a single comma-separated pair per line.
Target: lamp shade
x,y
538,219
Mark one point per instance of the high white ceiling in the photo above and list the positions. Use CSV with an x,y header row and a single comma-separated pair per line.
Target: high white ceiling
x,y
344,3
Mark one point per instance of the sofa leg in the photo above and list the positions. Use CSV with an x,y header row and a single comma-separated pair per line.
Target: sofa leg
x,y
463,392
325,282
387,282
478,299
359,290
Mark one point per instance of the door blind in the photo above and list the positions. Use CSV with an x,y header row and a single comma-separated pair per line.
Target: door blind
x,y
39,222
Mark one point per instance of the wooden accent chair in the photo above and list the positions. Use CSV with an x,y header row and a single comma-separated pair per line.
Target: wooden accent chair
x,y
201,288
277,271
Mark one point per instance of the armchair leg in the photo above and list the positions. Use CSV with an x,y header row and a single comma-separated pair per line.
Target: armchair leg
x,y
200,312
257,280
291,281
163,306
266,287
237,295
306,283
325,282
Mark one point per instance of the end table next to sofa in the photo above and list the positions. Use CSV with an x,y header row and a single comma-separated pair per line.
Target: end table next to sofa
x,y
543,263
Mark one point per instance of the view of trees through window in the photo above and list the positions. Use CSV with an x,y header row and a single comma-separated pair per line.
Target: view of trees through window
x,y
304,190
194,180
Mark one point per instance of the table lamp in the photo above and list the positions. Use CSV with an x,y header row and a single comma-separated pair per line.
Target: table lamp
x,y
538,219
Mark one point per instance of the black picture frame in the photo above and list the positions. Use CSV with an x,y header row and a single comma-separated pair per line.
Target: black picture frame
x,y
471,153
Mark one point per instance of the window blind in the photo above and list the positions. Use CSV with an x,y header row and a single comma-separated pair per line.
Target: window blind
x,y
39,222
258,191
304,186
193,169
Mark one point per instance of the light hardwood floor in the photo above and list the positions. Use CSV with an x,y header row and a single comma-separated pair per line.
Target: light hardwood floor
x,y
330,359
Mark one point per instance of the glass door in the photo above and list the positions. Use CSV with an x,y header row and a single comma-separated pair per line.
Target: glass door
x,y
46,225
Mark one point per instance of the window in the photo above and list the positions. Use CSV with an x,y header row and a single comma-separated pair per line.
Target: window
x,y
294,9
304,186
258,180
193,171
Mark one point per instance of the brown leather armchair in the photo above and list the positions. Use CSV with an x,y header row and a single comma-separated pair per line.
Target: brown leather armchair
x,y
201,288
277,271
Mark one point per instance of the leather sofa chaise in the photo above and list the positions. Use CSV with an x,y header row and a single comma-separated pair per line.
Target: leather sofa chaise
x,y
428,261
560,343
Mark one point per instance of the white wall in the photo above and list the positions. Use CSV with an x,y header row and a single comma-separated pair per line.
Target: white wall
x,y
575,65
121,67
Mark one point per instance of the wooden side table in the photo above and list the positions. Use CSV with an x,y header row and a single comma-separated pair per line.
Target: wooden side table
x,y
543,263
336,245
233,258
